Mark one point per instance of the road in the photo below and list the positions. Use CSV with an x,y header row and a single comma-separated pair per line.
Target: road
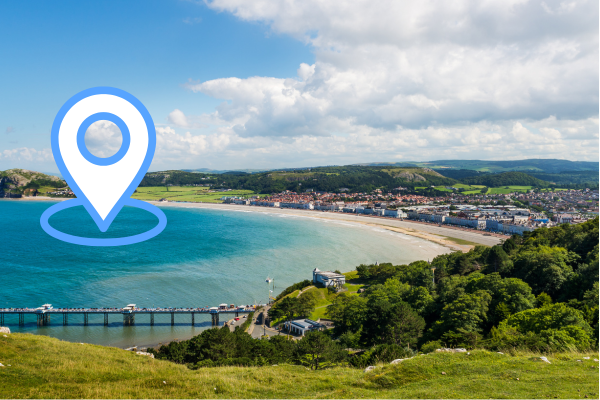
x,y
257,328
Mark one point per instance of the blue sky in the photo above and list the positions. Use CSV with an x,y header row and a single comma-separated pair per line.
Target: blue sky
x,y
148,48
233,84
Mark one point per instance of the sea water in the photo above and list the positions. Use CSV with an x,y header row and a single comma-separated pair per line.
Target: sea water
x,y
204,257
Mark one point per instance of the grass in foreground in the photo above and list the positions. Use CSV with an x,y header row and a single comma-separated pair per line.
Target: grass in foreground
x,y
43,367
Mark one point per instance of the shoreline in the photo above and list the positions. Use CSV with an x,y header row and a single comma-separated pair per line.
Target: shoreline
x,y
441,235
429,232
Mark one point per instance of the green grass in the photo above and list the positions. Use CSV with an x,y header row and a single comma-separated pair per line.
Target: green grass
x,y
509,189
42,367
461,241
468,187
186,193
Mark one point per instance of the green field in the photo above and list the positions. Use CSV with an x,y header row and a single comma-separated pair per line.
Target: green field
x,y
510,189
476,189
43,367
186,193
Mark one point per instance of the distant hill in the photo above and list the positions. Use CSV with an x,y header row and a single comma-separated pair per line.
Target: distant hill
x,y
353,178
224,171
506,179
565,178
550,166
459,173
18,181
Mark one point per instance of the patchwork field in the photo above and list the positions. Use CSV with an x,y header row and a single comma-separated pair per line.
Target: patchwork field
x,y
186,193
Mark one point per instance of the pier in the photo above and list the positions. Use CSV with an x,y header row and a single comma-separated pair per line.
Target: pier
x,y
45,313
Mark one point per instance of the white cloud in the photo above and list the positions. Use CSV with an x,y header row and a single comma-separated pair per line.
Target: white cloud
x,y
26,154
457,76
403,80
177,117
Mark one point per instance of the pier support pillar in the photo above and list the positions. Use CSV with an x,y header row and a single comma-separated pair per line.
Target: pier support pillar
x,y
85,319
172,319
236,314
128,319
43,319
21,319
65,319
214,319
193,322
151,319
105,319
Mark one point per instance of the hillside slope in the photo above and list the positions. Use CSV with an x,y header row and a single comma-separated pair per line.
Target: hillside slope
x,y
42,367
353,178
17,181
506,179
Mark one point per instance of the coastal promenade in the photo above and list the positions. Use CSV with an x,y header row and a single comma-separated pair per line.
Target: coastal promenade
x,y
444,235
45,312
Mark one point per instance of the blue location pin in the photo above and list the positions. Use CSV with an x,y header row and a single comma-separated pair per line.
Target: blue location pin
x,y
103,185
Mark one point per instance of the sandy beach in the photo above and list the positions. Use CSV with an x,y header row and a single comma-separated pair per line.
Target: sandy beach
x,y
452,238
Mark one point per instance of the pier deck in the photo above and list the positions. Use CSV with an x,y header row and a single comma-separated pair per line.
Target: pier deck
x,y
45,313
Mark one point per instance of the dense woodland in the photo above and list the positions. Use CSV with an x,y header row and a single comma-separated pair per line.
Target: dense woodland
x,y
505,179
537,292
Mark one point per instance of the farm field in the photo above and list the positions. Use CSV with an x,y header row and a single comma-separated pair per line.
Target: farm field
x,y
186,193
509,189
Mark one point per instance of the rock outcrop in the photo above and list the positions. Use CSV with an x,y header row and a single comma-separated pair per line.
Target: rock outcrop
x,y
445,350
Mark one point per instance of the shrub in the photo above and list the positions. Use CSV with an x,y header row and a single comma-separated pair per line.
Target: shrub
x,y
383,353
431,346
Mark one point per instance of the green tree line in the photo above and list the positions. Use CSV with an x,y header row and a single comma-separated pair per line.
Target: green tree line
x,y
536,292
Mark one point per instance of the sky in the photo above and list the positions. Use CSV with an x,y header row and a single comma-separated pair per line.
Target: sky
x,y
234,84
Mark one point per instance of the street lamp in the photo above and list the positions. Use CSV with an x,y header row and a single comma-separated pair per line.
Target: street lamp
x,y
433,273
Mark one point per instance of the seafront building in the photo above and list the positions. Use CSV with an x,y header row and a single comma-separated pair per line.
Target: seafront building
x,y
503,217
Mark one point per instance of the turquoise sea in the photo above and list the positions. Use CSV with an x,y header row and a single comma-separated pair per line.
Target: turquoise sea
x,y
203,258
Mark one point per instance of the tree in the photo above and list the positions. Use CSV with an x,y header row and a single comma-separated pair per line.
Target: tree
x,y
468,312
498,261
348,313
404,327
544,268
543,300
555,316
319,350
420,300
391,323
288,308
306,302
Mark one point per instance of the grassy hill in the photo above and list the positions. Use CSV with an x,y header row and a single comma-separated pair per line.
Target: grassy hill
x,y
353,178
42,367
505,179
22,181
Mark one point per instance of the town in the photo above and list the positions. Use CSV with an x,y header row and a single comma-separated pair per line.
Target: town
x,y
510,213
